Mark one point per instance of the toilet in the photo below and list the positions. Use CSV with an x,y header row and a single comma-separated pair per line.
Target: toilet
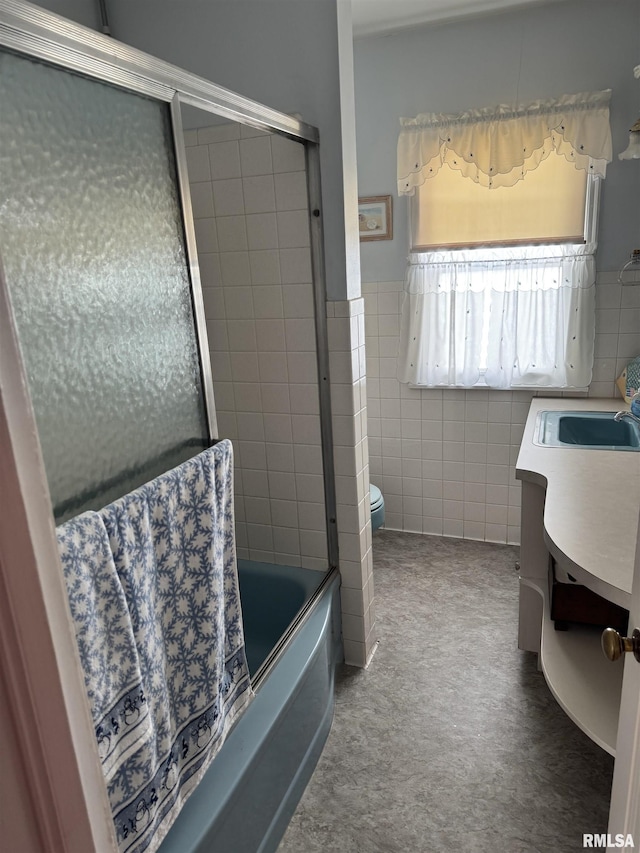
x,y
377,507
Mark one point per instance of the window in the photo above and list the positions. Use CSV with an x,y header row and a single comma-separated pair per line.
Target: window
x,y
499,288
451,211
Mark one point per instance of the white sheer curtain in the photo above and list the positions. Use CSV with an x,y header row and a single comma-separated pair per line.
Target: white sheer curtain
x,y
519,317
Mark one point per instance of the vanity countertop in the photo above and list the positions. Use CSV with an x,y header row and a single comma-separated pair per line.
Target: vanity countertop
x,y
592,501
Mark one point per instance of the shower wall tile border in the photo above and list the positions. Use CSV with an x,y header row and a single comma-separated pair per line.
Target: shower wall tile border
x,y
346,333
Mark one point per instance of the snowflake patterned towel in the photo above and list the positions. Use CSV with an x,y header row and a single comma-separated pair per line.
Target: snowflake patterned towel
x,y
174,549
105,640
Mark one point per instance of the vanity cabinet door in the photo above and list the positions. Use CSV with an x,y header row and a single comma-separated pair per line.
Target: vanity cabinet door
x,y
624,815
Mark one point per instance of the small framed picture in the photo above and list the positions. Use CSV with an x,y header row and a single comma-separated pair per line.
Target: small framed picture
x,y
375,218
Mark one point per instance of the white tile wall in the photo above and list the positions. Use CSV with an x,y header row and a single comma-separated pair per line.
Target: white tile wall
x,y
346,329
445,459
617,330
250,209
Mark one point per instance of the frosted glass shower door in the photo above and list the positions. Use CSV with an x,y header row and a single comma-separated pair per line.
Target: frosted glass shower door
x,y
92,244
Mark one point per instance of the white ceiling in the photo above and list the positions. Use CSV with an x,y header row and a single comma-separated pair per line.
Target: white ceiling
x,y
376,17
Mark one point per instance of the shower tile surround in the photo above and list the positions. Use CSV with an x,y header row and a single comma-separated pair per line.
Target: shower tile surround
x,y
347,365
249,201
445,459
248,192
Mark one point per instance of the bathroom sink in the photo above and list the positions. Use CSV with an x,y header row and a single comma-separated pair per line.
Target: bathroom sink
x,y
586,430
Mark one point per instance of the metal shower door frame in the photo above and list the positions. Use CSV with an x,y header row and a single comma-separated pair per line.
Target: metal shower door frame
x,y
39,34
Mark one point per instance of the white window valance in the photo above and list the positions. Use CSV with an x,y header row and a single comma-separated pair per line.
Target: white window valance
x,y
497,146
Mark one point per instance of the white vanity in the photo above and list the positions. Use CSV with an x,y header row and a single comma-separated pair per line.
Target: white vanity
x,y
580,507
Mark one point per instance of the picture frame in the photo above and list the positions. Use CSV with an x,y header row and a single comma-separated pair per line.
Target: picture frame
x,y
375,218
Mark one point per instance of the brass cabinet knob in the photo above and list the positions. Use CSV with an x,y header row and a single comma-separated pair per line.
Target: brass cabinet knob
x,y
614,646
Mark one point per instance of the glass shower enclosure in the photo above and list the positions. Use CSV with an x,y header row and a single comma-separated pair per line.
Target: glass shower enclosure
x,y
99,250
100,254
166,289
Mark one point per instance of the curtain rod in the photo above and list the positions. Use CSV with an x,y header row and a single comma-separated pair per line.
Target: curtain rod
x,y
588,101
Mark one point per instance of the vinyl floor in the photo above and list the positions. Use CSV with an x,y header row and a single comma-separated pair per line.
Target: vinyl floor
x,y
451,740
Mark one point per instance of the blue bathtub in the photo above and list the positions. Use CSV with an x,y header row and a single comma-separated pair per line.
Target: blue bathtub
x,y
247,797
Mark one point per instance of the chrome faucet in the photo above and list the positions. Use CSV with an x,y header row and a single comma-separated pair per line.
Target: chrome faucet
x,y
620,415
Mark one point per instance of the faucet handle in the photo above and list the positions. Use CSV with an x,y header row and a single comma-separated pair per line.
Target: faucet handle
x,y
625,414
